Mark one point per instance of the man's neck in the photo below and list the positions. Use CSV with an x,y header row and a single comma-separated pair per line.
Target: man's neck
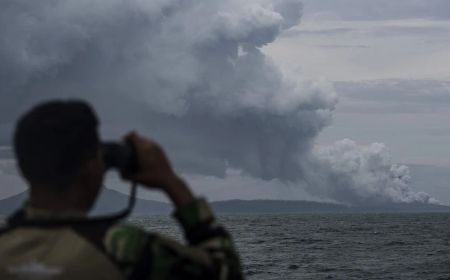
x,y
56,201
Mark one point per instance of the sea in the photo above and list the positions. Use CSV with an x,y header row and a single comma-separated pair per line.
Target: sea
x,y
333,246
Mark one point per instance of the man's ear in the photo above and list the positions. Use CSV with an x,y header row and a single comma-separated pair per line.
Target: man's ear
x,y
88,167
89,182
92,169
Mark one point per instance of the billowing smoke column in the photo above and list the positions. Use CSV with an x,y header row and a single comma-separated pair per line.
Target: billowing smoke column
x,y
362,175
191,73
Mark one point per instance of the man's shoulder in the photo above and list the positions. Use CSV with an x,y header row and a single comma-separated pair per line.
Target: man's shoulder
x,y
126,242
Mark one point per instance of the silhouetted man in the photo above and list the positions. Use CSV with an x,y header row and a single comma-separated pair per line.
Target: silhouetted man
x,y
59,154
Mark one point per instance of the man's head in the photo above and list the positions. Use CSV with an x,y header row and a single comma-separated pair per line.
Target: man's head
x,y
57,149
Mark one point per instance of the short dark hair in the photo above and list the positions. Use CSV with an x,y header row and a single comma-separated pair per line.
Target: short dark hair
x,y
53,140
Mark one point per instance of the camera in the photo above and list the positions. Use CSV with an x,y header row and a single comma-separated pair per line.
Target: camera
x,y
120,156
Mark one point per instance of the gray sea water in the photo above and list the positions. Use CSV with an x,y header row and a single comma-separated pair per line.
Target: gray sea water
x,y
334,246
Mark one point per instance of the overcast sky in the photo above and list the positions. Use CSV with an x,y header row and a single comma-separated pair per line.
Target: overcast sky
x,y
394,59
390,61
248,102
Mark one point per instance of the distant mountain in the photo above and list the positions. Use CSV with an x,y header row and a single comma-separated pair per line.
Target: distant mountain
x,y
8,205
291,206
277,206
113,201
109,201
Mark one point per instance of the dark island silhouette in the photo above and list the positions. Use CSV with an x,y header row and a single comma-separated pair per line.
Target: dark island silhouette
x,y
111,201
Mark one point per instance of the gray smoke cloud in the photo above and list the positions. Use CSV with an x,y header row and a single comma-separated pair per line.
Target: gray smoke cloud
x,y
191,74
360,175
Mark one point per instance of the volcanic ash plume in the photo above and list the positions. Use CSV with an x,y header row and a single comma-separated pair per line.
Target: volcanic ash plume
x,y
192,74
360,175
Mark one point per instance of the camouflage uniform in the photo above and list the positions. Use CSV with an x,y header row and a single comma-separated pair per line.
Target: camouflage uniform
x,y
118,251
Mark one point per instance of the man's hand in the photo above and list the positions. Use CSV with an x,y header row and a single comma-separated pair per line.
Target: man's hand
x,y
155,171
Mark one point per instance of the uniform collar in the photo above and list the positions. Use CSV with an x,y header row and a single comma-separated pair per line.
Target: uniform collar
x,y
32,213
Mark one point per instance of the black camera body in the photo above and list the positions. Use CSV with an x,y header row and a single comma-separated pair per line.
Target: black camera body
x,y
120,156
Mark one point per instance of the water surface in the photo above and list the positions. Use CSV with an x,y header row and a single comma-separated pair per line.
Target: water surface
x,y
334,246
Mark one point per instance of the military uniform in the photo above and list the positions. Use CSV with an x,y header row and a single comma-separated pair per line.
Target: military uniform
x,y
109,250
